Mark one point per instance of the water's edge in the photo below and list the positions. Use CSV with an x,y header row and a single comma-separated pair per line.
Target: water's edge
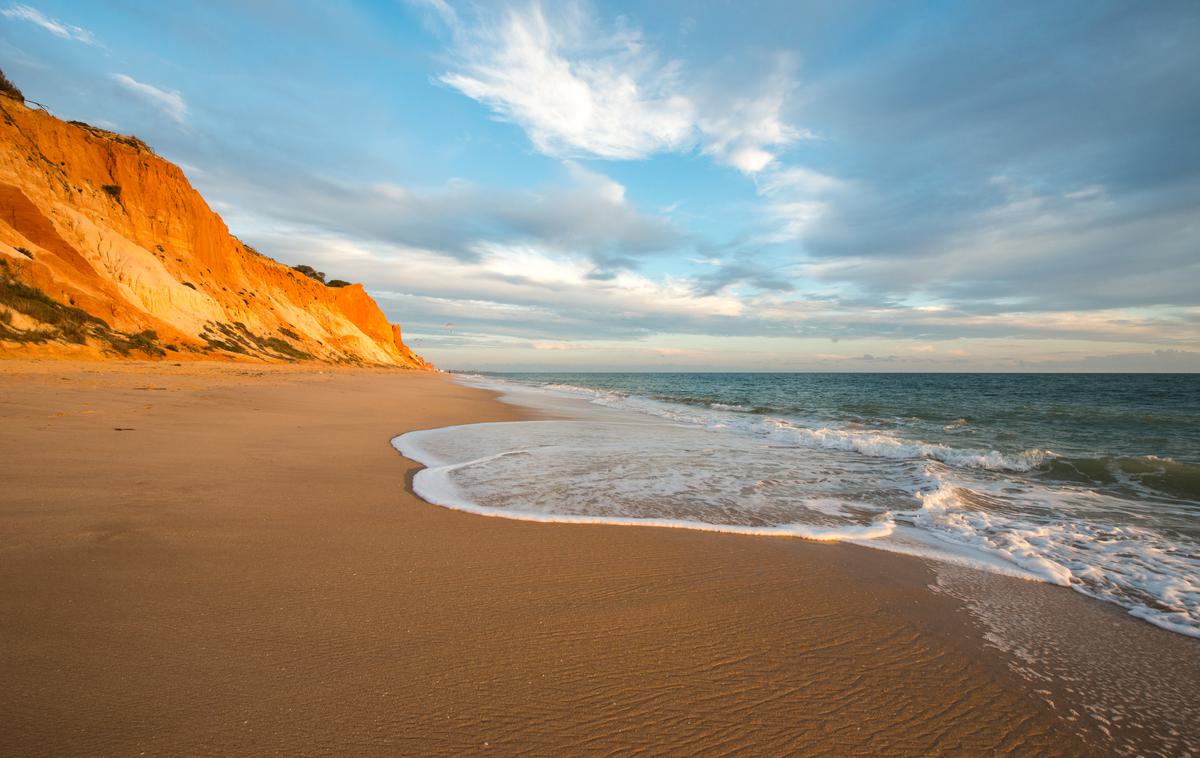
x,y
435,484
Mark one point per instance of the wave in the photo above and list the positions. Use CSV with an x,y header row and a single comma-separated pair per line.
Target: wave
x,y
881,445
1154,578
1145,474
843,437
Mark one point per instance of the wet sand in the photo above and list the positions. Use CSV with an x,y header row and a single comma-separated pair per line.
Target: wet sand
x,y
226,559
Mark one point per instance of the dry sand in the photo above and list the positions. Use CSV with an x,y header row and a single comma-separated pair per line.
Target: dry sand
x,y
225,559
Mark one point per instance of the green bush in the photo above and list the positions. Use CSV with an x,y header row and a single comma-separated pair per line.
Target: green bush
x,y
8,89
74,333
60,322
285,349
310,272
124,139
38,305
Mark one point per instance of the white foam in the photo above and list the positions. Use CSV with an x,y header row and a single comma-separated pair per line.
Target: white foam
x,y
433,485
941,512
915,542
719,471
881,445
1154,578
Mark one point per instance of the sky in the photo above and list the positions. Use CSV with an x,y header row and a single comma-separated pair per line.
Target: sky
x,y
671,186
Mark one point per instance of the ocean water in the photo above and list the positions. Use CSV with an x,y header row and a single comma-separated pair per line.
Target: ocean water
x,y
1086,481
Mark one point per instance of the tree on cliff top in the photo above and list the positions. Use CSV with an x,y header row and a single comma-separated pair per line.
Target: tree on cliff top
x,y
310,272
9,89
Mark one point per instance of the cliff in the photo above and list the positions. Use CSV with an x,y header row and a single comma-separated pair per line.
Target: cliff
x,y
106,250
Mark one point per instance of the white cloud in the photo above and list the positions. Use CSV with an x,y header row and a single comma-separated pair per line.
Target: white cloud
x,y
578,90
604,187
543,345
744,132
536,298
793,218
798,179
510,287
442,9
585,213
676,352
1038,249
574,91
55,27
169,102
796,198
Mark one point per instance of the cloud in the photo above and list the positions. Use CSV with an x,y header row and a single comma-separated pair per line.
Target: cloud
x,y
1183,361
795,200
746,131
443,10
578,89
169,102
1068,182
1028,250
533,293
676,352
744,270
520,291
585,215
543,345
573,90
55,27
952,195
797,179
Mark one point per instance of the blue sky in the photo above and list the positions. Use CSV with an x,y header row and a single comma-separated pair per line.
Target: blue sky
x,y
847,186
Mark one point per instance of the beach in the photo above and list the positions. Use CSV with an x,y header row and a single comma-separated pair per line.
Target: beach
x,y
216,558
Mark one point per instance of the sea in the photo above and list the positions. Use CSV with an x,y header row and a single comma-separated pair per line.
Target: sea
x,y
1088,481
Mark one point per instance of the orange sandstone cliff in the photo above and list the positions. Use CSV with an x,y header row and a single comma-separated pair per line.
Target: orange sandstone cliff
x,y
106,250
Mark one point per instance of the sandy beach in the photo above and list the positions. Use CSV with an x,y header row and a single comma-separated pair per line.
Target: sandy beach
x,y
214,559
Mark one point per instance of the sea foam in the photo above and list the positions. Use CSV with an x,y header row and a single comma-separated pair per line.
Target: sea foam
x,y
644,462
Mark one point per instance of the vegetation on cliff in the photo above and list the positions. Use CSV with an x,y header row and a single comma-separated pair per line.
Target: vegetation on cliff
x,y
47,320
8,89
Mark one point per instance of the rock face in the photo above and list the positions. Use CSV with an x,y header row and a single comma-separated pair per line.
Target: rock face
x,y
107,250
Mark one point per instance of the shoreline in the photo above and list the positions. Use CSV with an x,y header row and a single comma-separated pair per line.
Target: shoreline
x,y
229,558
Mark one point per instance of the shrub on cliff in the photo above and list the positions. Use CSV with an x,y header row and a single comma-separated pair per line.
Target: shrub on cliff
x,y
124,139
36,304
337,283
8,89
310,272
60,322
146,341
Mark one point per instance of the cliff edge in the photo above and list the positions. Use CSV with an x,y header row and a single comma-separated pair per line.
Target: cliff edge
x,y
106,250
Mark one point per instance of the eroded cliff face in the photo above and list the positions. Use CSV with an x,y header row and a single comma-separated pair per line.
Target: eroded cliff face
x,y
107,250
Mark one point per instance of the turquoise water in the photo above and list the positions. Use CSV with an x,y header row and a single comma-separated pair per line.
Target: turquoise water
x,y
1087,481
